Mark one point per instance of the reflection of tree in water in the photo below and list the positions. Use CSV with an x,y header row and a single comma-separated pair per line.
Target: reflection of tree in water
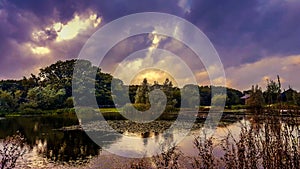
x,y
69,146
56,145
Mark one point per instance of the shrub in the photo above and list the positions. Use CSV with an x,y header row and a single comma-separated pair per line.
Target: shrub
x,y
13,148
141,107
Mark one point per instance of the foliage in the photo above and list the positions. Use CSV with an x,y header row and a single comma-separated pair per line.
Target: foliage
x,y
13,147
46,97
218,100
9,100
205,95
296,98
268,142
256,99
119,93
142,93
233,97
169,158
190,96
205,158
52,89
141,107
272,94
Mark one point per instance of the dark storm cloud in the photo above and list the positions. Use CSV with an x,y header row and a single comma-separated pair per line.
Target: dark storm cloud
x,y
60,10
63,10
245,31
15,26
114,9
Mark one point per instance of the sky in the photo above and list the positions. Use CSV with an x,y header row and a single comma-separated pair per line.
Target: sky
x,y
255,39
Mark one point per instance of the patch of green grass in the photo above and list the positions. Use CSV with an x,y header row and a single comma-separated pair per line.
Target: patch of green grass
x,y
109,110
35,112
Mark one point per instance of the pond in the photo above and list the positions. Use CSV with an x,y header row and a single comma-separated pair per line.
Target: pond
x,y
58,141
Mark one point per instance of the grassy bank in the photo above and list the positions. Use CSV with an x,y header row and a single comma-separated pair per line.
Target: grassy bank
x,y
36,112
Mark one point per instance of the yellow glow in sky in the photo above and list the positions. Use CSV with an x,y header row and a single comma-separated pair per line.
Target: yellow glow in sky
x,y
71,29
153,75
40,50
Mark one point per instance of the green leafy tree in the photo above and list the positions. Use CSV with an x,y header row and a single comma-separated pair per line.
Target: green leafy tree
x,y
46,97
59,75
103,88
9,101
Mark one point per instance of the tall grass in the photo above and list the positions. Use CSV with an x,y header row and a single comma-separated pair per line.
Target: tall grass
x,y
167,159
271,141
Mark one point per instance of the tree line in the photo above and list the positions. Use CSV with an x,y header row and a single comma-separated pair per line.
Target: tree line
x,y
273,95
51,89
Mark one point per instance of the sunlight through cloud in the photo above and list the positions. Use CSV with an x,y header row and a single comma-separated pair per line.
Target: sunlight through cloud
x,y
71,29
39,50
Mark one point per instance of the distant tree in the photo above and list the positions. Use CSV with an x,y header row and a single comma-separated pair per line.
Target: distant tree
x,y
103,88
168,89
218,100
233,97
31,82
190,96
9,101
296,98
119,92
142,93
205,95
132,92
176,97
289,96
256,99
48,97
273,92
11,85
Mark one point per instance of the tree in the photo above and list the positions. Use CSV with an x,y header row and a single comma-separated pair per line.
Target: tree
x,y
169,91
233,97
296,98
142,93
9,100
103,88
289,96
205,95
273,92
190,96
46,97
118,92
256,99
59,75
